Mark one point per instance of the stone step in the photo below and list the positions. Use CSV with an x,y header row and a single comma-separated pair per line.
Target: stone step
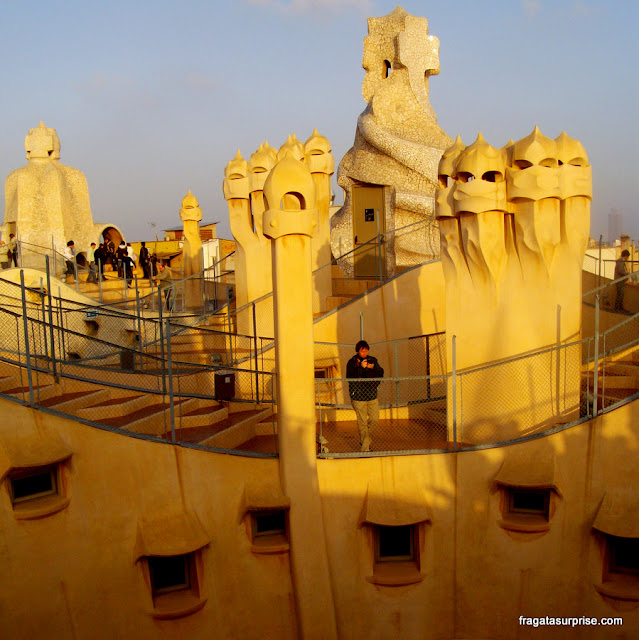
x,y
117,295
8,381
110,282
218,321
197,357
433,417
622,368
71,402
116,406
201,340
152,419
40,392
350,287
332,302
9,372
267,426
618,382
336,272
242,407
202,433
205,413
211,346
239,427
39,378
612,396
109,372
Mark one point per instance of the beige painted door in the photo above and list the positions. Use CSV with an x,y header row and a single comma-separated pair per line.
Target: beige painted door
x,y
368,222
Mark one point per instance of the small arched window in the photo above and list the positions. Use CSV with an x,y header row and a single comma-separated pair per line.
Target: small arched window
x,y
293,201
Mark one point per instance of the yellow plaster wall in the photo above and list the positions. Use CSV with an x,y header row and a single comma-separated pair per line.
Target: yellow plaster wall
x,y
365,610
499,574
73,574
412,304
503,574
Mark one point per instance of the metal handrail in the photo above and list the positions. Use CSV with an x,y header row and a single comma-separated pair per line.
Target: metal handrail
x,y
610,283
381,342
37,361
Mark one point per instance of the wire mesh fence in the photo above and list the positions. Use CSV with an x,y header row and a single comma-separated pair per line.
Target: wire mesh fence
x,y
608,310
383,415
600,258
409,403
612,364
133,387
119,286
36,256
620,295
161,381
257,315
408,357
522,397
519,397
160,373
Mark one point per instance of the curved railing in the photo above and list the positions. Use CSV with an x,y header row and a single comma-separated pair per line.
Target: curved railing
x,y
418,401
46,344
49,338
468,410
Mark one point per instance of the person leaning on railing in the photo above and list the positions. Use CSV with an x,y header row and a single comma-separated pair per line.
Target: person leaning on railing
x,y
621,270
364,393
164,282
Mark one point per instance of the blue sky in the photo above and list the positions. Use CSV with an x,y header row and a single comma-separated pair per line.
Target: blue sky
x,y
151,99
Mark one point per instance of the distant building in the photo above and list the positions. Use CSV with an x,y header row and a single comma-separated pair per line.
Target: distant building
x,y
213,248
207,232
615,225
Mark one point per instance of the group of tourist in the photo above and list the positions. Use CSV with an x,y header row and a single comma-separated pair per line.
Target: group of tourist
x,y
123,260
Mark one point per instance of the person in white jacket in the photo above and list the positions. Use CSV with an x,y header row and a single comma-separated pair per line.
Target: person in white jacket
x,y
69,257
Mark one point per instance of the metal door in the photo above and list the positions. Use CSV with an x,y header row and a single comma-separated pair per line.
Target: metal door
x,y
368,224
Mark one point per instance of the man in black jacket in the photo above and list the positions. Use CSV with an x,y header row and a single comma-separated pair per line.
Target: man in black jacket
x,y
364,392
145,263
128,266
101,257
119,254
